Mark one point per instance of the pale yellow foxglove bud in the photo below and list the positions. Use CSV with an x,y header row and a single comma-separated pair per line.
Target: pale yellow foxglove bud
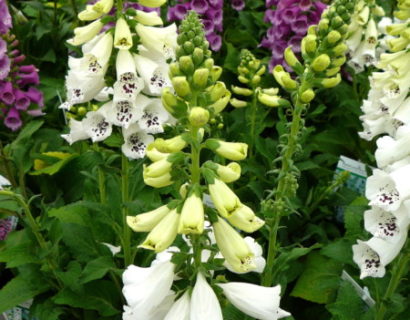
x,y
238,103
174,144
198,116
245,219
181,86
157,169
159,182
148,18
200,77
242,91
307,96
192,216
153,154
163,234
229,173
233,247
224,199
86,33
152,3
122,35
220,104
321,63
230,150
331,82
145,222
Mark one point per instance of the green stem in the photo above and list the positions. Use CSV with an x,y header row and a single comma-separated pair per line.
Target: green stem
x,y
399,271
74,6
252,120
126,237
120,7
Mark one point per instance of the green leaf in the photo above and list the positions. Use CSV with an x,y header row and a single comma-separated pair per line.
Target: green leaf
x,y
55,167
45,309
96,269
28,130
73,213
348,304
320,280
353,216
19,290
340,250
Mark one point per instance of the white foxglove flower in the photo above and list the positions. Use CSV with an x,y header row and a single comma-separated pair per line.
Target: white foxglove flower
x,y
136,142
104,94
77,132
390,150
155,75
153,117
180,310
4,182
374,255
161,40
96,125
373,126
204,303
145,288
82,87
122,36
385,225
154,313
388,190
148,18
403,112
128,84
123,112
257,301
86,33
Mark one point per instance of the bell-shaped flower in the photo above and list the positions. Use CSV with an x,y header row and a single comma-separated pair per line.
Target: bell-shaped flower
x,y
122,36
174,144
204,303
224,199
163,234
154,74
128,84
148,18
146,288
230,150
388,190
373,126
82,87
245,219
154,154
105,94
135,142
192,215
161,40
180,310
258,259
153,313
374,255
97,126
145,222
229,173
390,150
233,247
124,112
153,117
256,301
158,168
96,10
77,132
86,33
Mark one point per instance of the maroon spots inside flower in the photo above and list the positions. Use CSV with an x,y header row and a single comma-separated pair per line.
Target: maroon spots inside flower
x,y
124,114
137,145
101,128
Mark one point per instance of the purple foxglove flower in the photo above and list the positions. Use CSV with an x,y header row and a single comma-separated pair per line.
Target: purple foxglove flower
x,y
290,14
36,112
208,26
215,15
215,41
6,93
270,16
5,228
179,11
28,68
320,6
278,47
5,18
3,47
270,3
13,120
28,78
200,6
238,5
4,66
295,42
300,25
305,5
22,102
216,3
35,96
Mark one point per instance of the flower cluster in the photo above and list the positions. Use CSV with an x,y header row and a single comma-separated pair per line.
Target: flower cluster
x,y
290,21
211,12
363,35
95,103
207,229
386,111
17,81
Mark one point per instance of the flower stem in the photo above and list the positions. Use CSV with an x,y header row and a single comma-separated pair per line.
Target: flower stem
x,y
252,123
120,7
400,269
126,237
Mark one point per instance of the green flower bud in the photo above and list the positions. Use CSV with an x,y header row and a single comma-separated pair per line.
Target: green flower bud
x,y
340,49
332,71
323,24
292,60
288,82
209,63
242,79
216,72
220,104
321,63
307,96
309,44
336,22
256,79
181,86
198,116
198,56
217,91
254,64
241,91
186,64
174,70
238,103
261,71
169,101
333,36
188,47
272,101
82,111
338,62
331,82
200,77
243,70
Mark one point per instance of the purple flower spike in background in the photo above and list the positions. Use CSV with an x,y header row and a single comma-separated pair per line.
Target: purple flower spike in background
x,y
210,12
290,21
17,94
238,5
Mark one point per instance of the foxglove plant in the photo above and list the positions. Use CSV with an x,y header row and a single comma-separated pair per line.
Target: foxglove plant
x,y
198,98
211,13
363,35
18,92
290,20
323,52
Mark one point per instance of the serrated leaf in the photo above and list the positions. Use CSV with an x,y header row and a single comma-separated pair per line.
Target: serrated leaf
x,y
340,250
353,216
320,280
96,269
348,304
73,213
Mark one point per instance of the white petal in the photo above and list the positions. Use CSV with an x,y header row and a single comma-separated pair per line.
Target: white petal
x,y
180,309
153,117
122,112
77,132
136,142
257,301
96,126
161,40
204,303
165,256
82,87
390,150
3,182
104,94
